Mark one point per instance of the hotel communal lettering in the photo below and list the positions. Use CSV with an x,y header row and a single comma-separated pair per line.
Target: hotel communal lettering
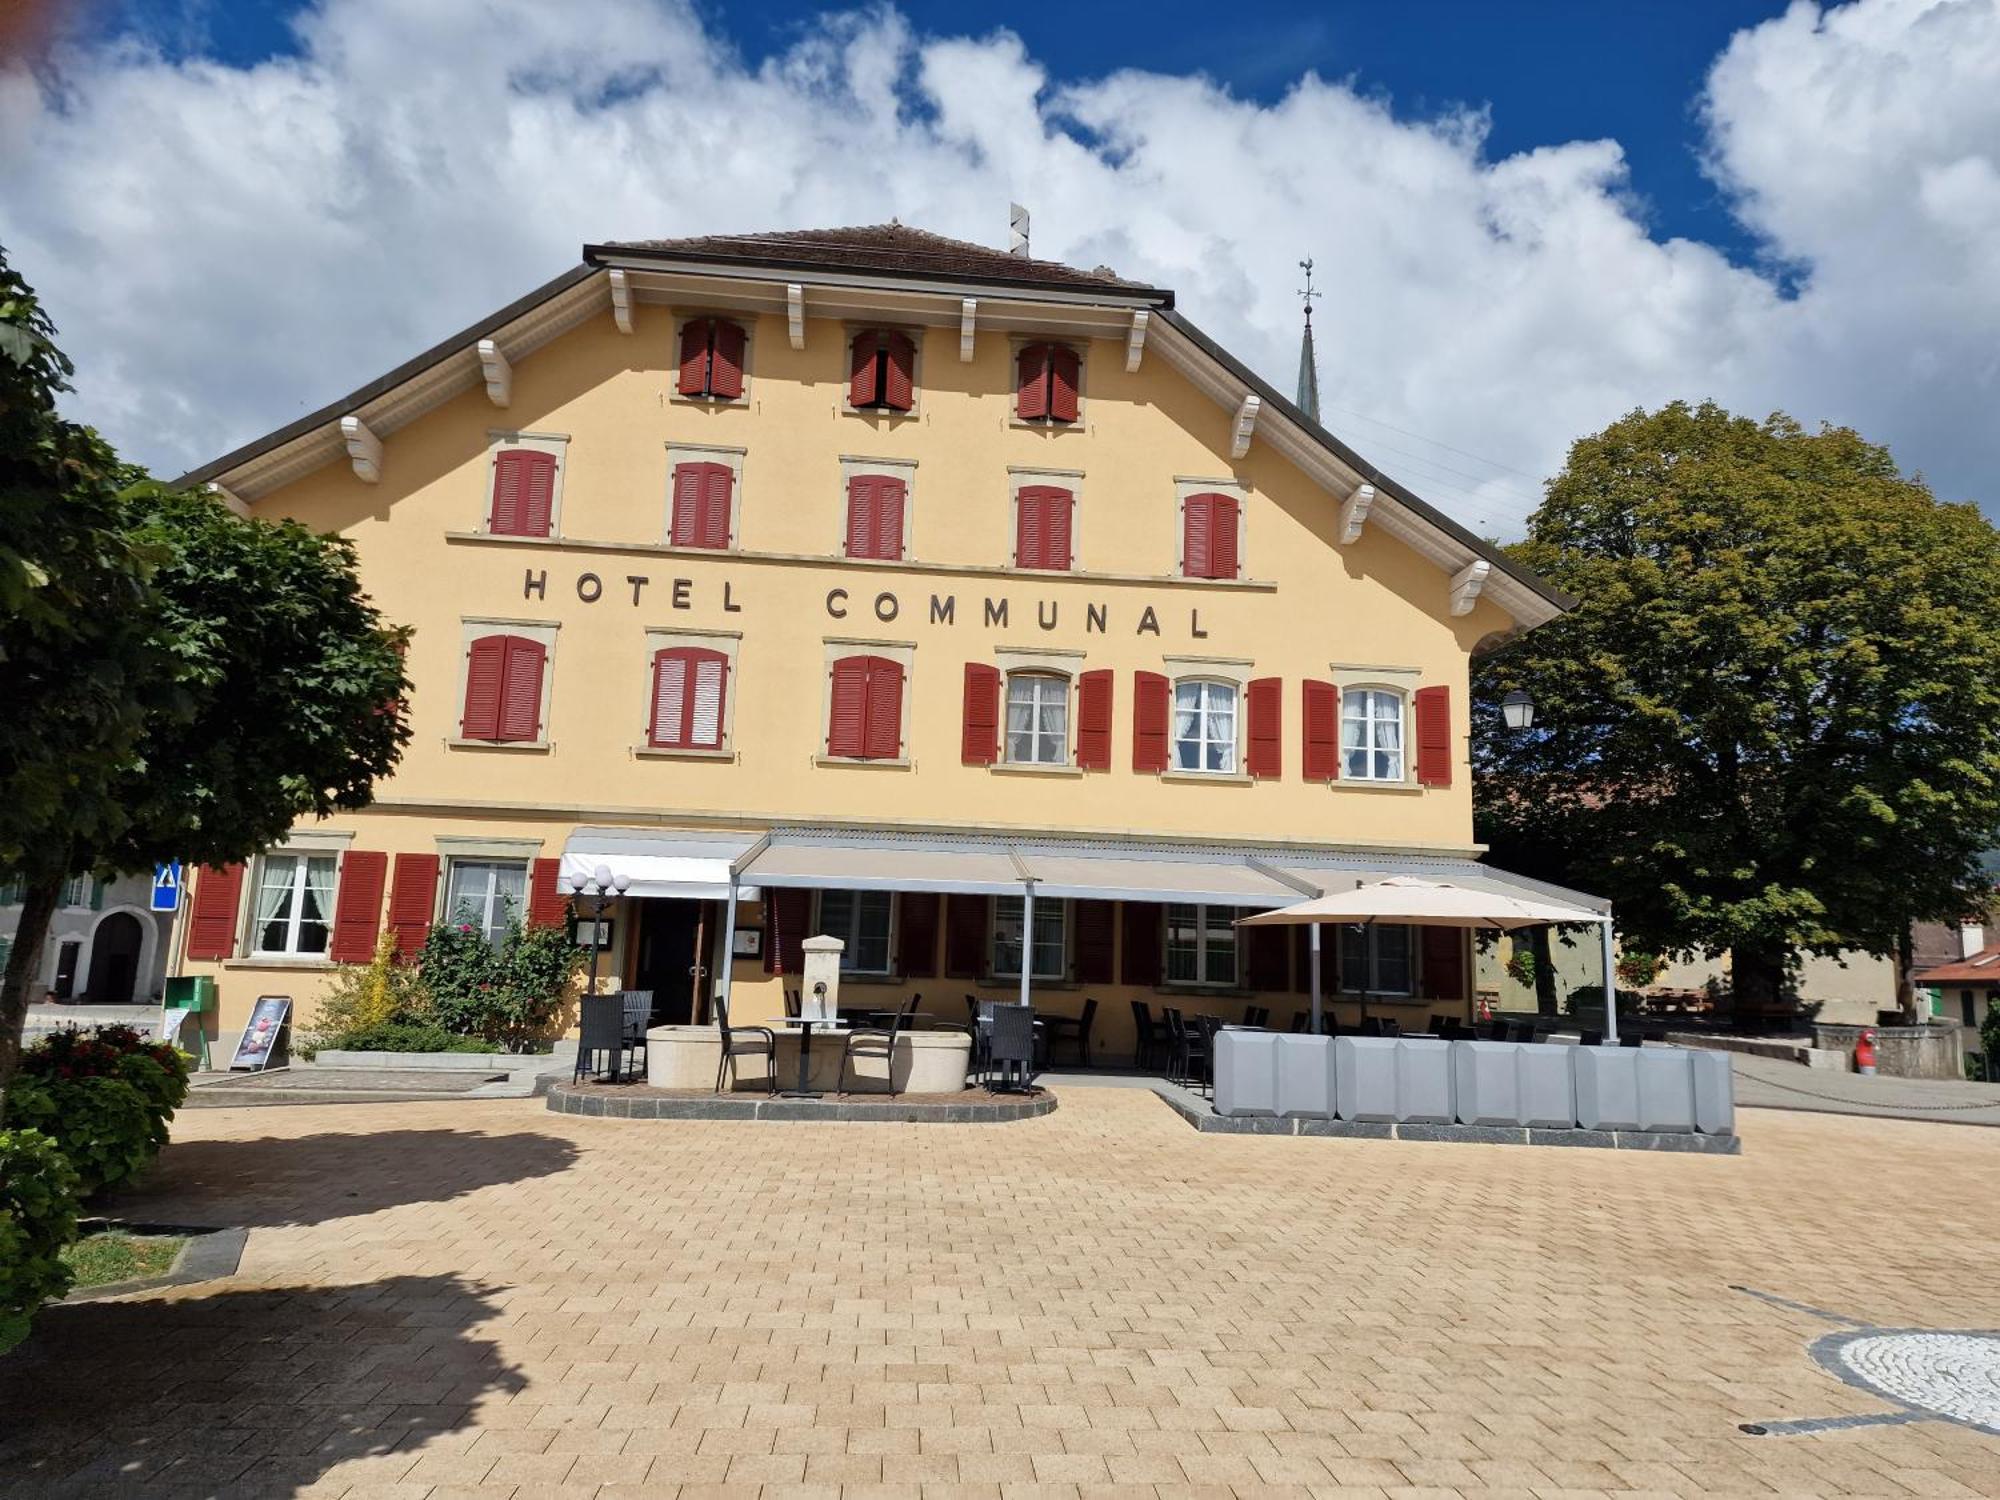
x,y
886,606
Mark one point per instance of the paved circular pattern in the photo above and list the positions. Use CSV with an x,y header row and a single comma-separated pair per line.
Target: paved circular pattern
x,y
1954,1375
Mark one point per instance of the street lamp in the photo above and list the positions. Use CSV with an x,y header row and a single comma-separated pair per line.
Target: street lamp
x,y
1518,709
599,888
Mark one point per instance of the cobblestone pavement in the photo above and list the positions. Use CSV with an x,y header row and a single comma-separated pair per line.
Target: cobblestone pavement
x,y
442,1300
1769,1083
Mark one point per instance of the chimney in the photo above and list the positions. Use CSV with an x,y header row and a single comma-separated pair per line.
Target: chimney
x,y
1017,226
1971,939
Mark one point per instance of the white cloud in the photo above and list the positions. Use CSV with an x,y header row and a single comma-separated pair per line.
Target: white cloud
x,y
226,248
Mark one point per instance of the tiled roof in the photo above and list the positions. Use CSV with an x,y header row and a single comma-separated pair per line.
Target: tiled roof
x,y
1982,968
895,248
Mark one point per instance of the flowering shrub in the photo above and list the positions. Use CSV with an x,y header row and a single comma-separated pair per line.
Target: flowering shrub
x,y
104,1096
37,1218
509,993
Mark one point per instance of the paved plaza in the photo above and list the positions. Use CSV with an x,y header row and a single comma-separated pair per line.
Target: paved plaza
x,y
485,1298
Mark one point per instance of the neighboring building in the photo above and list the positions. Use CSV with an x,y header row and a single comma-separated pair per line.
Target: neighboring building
x,y
104,945
883,575
1963,988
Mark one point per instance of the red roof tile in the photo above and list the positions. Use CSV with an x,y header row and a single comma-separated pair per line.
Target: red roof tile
x,y
1982,968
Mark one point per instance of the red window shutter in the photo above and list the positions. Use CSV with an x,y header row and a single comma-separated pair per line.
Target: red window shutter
x,y
964,936
507,516
917,934
1319,713
1222,521
1442,967
413,901
547,906
1095,921
670,697
521,690
1266,702
1144,934
1197,529
1031,386
1434,736
1064,368
1042,527
716,489
357,909
725,371
882,737
485,671
787,912
212,922
1093,720
981,736
890,495
690,688
539,493
862,386
1150,702
848,707
694,356
707,700
1056,552
899,384
685,525
861,507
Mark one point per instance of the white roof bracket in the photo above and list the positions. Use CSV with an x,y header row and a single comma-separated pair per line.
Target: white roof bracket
x,y
795,313
1246,424
1354,514
364,449
1135,341
621,300
968,314
499,374
1466,584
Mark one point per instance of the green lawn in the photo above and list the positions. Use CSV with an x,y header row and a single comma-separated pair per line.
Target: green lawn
x,y
100,1258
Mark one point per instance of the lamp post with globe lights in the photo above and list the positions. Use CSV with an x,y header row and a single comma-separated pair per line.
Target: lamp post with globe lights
x,y
595,892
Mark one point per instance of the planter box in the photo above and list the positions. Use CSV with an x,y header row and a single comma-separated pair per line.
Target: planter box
x,y
1364,1078
450,1062
1305,1074
1246,1072
1607,1087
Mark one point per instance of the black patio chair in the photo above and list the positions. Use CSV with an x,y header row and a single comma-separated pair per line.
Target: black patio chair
x,y
1591,1039
743,1041
1010,1044
1521,1031
1073,1031
638,1016
1439,1024
877,1041
600,1033
1301,1022
1257,1016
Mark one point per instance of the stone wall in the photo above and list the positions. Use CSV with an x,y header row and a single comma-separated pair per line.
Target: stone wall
x,y
1933,1051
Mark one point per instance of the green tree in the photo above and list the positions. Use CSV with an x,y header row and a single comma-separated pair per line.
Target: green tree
x,y
1772,723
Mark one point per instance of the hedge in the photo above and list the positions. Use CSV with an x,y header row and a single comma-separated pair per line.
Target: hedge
x,y
38,1190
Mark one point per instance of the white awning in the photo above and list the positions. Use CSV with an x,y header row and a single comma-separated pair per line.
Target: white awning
x,y
1209,882
693,866
885,865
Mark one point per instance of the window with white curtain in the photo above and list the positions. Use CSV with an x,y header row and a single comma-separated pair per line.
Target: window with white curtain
x,y
294,905
1371,735
1051,934
1205,726
1037,719
490,894
1375,959
1201,944
861,920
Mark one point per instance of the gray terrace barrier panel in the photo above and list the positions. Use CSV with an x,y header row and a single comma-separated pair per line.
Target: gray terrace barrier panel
x,y
1417,1080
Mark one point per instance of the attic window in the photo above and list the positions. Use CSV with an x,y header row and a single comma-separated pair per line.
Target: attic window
x,y
882,371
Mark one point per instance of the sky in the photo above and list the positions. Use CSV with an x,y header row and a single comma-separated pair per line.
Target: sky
x,y
1527,219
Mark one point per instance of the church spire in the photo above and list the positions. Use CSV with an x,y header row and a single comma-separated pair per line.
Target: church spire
x,y
1308,396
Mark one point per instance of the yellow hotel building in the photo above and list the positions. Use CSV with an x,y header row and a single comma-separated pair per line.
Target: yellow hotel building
x,y
938,599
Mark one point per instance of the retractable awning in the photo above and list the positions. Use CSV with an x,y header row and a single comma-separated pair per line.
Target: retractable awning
x,y
888,863
1221,882
693,866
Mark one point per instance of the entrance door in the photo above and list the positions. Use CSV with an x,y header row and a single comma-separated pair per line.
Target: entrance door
x,y
667,929
114,959
67,953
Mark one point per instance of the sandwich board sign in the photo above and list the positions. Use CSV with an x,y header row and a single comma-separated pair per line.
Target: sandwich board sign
x,y
263,1034
167,886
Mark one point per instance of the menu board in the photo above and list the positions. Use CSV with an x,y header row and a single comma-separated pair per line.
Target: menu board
x,y
263,1034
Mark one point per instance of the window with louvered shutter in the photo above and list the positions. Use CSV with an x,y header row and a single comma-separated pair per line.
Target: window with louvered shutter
x,y
1208,536
715,493
882,737
1064,370
1093,721
524,482
1042,527
863,370
725,366
1031,385
980,731
412,902
899,364
1319,704
701,500
485,674
1264,752
357,906
218,894
1150,693
847,707
875,516
521,690
1223,533
1433,736
696,334
690,685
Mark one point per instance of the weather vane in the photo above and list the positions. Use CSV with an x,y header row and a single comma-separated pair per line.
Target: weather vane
x,y
1307,291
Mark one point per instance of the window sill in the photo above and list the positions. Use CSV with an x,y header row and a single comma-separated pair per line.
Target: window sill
x,y
510,536
277,961
900,764
719,402
668,752
880,413
1049,424
1211,991
530,747
1225,778
1029,768
1380,788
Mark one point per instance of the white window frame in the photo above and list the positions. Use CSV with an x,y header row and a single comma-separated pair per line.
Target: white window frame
x,y
489,864
1372,932
679,453
301,865
472,629
667,638
1081,348
746,321
850,937
1205,927
1401,698
905,469
556,445
1174,741
1064,687
851,330
1043,906
75,895
1188,484
1067,479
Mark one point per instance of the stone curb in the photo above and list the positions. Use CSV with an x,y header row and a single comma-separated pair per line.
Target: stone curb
x,y
568,1100
1209,1123
209,1255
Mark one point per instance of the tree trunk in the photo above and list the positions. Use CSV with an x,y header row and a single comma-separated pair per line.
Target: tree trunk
x,y
1757,982
1545,970
1906,984
38,909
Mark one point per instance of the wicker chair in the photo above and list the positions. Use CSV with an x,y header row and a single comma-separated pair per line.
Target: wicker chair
x,y
600,1033
877,1041
743,1041
1010,1044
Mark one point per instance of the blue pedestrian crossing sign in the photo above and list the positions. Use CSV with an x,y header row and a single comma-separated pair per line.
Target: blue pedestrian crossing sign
x,y
167,887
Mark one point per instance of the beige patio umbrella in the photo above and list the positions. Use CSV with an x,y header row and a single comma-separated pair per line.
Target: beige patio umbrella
x,y
1413,902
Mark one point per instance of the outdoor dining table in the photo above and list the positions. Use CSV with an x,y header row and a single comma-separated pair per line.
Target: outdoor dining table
x,y
805,1030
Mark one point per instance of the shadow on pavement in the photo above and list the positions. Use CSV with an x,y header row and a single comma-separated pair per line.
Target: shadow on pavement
x,y
272,1181
253,1391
